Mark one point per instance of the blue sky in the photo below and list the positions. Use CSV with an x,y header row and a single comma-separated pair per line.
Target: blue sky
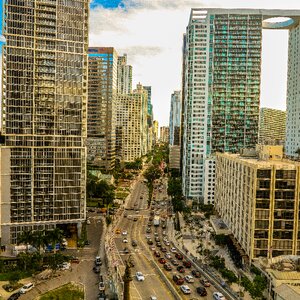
x,y
110,4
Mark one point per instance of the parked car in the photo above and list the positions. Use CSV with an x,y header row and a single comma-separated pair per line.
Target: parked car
x,y
201,291
168,267
168,255
96,269
126,250
98,261
14,296
180,269
189,278
178,279
26,288
135,219
125,240
162,260
205,282
150,242
185,289
158,244
173,250
174,262
118,231
156,253
124,232
187,264
179,256
139,276
133,243
196,273
101,285
218,296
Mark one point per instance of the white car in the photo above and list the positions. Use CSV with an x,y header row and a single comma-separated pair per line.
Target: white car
x,y
124,232
65,266
139,276
189,278
185,289
218,296
173,250
125,240
168,255
153,298
27,287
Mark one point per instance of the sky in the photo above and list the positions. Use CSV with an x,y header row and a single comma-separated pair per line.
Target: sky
x,y
150,32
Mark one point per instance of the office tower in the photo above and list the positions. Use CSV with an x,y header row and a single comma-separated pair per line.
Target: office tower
x,y
131,131
164,134
43,116
149,117
257,197
155,132
102,88
222,85
175,118
272,126
124,81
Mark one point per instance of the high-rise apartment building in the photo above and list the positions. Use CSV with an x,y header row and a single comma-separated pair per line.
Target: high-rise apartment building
x,y
149,117
124,81
102,92
155,132
132,128
257,196
164,134
272,123
175,118
43,116
222,85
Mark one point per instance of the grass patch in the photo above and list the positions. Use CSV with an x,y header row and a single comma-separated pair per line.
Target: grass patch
x,y
66,292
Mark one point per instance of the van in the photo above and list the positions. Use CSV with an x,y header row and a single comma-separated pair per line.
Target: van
x,y
27,287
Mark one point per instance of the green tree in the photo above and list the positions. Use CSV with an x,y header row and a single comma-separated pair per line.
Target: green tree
x,y
105,191
40,240
26,238
54,236
24,261
174,187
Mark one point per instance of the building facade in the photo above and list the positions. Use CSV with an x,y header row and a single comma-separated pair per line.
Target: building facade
x,y
132,128
257,196
102,92
175,118
222,85
43,117
124,79
272,124
164,134
155,132
174,157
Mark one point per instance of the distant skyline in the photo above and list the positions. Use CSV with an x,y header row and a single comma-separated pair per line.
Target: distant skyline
x,y
150,32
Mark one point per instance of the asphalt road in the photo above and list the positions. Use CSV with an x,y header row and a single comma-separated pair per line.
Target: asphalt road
x,y
153,284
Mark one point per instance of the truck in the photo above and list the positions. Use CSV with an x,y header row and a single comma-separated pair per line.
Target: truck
x,y
156,221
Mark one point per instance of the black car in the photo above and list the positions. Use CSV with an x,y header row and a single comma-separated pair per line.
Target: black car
x,y
196,273
96,269
201,291
14,296
133,243
150,242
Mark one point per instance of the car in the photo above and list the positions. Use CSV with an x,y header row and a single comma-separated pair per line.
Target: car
x,y
153,248
189,278
8,287
156,253
174,262
125,250
164,233
133,243
205,282
125,240
135,219
218,296
163,226
124,232
74,260
139,276
14,296
26,288
118,231
150,242
180,269
102,296
185,289
187,264
168,267
101,284
196,273
179,256
158,244
98,261
162,260
148,230
151,219
168,255
173,250
178,279
96,269
157,239
167,243
163,249
153,298
65,266
88,222
201,291
156,234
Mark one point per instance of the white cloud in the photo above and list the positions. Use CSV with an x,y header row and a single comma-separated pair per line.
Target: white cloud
x,y
150,32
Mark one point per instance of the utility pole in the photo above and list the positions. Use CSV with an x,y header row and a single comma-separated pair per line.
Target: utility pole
x,y
127,278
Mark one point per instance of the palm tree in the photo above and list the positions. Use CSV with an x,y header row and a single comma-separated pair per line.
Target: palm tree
x,y
55,236
40,240
26,237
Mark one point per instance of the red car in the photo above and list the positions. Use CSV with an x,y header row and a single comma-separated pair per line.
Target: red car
x,y
162,260
156,253
187,264
178,279
179,256
180,269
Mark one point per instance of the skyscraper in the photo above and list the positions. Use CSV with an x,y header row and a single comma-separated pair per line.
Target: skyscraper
x,y
149,117
124,81
43,117
222,85
164,134
102,92
272,123
175,118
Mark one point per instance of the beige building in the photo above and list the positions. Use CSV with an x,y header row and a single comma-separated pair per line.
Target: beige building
x,y
257,196
43,117
272,124
102,91
132,125
155,132
124,81
174,157
164,134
